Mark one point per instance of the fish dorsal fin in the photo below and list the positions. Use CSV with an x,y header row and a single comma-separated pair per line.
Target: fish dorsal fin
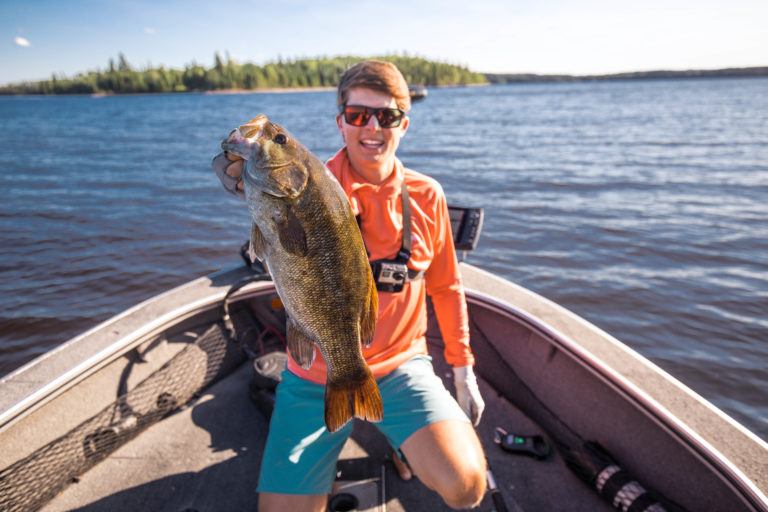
x,y
300,346
369,314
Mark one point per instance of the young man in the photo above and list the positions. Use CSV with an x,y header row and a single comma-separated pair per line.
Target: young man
x,y
420,417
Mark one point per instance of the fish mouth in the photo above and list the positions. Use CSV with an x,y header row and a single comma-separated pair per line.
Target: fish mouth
x,y
242,140
253,129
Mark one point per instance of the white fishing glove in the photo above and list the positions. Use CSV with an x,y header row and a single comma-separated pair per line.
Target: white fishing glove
x,y
229,170
467,393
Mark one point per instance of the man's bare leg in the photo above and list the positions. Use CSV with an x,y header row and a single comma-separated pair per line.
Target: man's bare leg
x,y
448,458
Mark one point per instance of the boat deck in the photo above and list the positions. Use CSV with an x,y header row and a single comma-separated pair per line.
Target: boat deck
x,y
206,458
58,415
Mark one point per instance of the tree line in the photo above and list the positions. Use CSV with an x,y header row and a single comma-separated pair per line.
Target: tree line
x,y
119,77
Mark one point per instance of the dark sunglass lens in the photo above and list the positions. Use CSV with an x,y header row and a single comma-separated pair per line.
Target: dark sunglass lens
x,y
389,117
356,116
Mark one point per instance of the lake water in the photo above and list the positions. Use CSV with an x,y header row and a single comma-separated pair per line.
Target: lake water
x,y
640,205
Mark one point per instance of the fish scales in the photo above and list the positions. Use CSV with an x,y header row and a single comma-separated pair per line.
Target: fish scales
x,y
304,229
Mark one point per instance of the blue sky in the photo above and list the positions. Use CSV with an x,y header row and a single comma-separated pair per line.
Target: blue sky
x,y
545,36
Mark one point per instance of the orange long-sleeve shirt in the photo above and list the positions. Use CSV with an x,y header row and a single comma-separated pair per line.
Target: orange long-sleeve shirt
x,y
402,317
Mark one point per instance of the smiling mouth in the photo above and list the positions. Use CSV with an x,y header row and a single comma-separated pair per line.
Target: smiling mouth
x,y
371,144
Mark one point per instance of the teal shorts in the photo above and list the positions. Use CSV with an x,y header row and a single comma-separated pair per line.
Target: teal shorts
x,y
300,455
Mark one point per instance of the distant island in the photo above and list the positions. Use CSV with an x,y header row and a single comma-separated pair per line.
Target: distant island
x,y
226,75
512,78
119,77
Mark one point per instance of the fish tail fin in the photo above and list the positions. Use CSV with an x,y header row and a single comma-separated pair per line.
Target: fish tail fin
x,y
346,400
366,399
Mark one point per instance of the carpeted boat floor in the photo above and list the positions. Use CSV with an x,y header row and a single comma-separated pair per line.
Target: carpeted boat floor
x,y
206,458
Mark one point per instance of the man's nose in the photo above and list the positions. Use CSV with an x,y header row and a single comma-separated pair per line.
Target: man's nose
x,y
373,123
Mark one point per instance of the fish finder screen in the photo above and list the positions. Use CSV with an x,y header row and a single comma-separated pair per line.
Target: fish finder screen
x,y
466,224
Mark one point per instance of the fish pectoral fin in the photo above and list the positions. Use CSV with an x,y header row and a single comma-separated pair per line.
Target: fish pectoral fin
x,y
300,346
291,233
370,314
257,245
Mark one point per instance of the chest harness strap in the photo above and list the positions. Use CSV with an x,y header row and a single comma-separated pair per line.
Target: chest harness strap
x,y
392,274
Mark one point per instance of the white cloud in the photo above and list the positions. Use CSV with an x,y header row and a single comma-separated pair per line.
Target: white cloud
x,y
21,41
149,30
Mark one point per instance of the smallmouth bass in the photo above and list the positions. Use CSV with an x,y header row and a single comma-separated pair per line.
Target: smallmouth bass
x,y
305,232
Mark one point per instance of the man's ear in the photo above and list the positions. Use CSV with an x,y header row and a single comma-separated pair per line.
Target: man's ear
x,y
339,122
404,125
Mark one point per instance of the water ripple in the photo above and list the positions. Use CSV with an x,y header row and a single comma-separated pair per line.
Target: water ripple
x,y
639,205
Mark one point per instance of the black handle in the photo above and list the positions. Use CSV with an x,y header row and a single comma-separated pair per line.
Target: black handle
x,y
498,501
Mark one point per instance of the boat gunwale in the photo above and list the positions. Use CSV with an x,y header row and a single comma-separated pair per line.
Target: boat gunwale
x,y
737,479
114,349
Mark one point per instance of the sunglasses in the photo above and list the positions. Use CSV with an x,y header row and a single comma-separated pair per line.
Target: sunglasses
x,y
359,115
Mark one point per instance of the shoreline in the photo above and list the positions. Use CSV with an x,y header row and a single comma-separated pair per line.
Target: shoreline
x,y
226,92
521,78
491,78
270,90
494,80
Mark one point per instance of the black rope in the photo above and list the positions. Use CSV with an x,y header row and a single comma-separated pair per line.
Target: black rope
x,y
228,325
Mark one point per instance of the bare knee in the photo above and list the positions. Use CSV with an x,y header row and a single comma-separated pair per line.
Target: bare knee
x,y
457,475
466,490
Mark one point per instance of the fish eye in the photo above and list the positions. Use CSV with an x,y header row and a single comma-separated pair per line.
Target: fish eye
x,y
280,139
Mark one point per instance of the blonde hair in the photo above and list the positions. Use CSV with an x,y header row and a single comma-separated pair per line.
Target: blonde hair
x,y
377,75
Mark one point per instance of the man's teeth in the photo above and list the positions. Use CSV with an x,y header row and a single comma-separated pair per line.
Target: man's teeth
x,y
372,143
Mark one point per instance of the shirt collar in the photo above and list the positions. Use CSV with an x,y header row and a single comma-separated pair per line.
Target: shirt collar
x,y
353,183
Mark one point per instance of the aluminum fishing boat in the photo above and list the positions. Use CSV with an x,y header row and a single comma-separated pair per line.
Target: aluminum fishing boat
x,y
159,408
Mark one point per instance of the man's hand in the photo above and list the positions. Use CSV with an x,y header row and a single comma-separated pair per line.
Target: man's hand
x,y
229,169
467,393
